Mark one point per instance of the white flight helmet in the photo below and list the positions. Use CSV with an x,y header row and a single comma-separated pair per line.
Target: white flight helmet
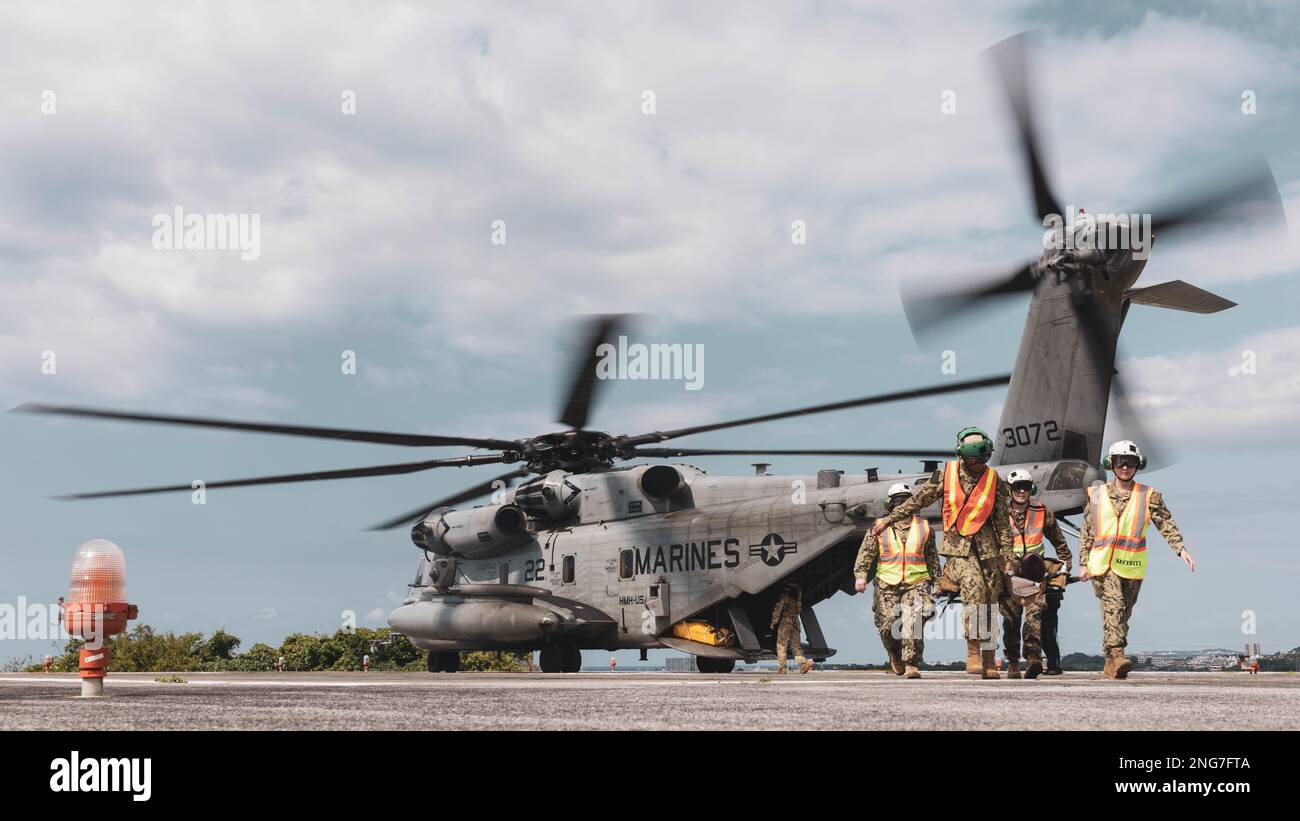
x,y
896,489
1124,447
1019,475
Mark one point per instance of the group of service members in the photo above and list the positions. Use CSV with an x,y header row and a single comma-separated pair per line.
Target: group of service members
x,y
992,543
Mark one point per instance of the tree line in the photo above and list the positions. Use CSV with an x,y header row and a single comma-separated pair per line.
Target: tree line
x,y
145,650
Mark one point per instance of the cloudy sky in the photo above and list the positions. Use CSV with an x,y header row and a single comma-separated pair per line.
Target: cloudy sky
x,y
379,144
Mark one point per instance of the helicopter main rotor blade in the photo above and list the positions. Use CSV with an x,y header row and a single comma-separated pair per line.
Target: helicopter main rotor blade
x,y
451,501
1009,59
924,310
315,476
673,452
936,390
342,434
581,398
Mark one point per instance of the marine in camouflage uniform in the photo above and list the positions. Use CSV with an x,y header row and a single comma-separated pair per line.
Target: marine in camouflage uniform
x,y
785,621
974,561
1029,608
902,604
1116,594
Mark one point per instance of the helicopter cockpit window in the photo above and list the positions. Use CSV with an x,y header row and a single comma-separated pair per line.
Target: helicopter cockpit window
x,y
625,564
1067,475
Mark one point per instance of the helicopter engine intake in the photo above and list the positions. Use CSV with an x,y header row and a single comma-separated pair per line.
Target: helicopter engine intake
x,y
661,481
552,496
479,533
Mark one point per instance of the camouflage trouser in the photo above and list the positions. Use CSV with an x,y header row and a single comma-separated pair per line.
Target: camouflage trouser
x,y
1031,608
1051,649
981,585
1117,597
787,633
901,611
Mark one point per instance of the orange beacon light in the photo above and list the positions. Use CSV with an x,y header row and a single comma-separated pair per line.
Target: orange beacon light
x,y
96,608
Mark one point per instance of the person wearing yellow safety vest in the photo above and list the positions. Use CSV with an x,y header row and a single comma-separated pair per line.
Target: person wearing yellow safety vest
x,y
976,538
1113,546
906,565
1030,522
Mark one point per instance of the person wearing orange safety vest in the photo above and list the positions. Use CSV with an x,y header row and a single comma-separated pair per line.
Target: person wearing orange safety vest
x,y
976,538
1113,546
1030,523
906,565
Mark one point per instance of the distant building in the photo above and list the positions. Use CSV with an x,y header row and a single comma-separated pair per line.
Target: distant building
x,y
680,664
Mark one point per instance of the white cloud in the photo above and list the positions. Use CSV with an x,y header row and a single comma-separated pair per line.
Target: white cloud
x,y
476,113
1208,394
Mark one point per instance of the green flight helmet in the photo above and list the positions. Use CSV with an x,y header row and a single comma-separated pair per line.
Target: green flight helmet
x,y
973,450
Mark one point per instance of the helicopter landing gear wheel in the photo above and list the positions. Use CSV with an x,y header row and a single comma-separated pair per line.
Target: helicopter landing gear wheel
x,y
551,659
443,662
572,658
705,665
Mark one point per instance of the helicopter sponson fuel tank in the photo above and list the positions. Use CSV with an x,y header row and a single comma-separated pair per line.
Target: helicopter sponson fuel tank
x,y
479,533
495,614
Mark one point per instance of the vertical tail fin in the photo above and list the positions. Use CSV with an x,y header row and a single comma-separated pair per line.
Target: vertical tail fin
x,y
1056,403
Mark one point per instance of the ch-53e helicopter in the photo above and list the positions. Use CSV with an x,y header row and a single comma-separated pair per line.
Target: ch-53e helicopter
x,y
589,554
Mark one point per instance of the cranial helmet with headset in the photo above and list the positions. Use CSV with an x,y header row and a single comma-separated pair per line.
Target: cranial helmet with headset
x,y
897,489
1124,447
1019,476
982,449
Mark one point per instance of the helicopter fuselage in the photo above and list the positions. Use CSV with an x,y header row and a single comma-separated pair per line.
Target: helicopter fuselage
x,y
629,564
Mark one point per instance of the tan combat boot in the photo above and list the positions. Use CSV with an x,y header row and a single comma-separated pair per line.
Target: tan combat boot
x,y
1013,669
1033,666
1117,667
974,665
990,665
805,667
895,664
912,672
782,670
1122,664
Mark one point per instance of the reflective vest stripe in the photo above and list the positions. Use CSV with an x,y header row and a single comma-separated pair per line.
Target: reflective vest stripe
x,y
1123,534
967,513
904,561
1029,540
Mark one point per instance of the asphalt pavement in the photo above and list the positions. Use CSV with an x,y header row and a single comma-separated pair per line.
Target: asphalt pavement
x,y
652,701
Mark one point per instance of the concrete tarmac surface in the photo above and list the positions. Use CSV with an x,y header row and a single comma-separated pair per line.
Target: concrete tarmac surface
x,y
830,700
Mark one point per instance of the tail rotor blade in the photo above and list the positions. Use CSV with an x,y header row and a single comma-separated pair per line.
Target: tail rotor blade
x,y
1009,57
925,310
1098,338
1250,195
